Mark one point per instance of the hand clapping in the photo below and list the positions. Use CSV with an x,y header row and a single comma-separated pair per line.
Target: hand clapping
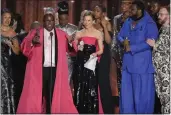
x,y
9,43
104,22
126,45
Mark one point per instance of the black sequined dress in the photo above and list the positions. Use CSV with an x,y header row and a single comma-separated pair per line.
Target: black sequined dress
x,y
85,80
7,84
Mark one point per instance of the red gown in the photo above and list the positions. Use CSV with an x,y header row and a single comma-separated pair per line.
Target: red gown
x,y
31,97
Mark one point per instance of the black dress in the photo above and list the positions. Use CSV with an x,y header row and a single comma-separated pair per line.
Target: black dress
x,y
7,84
108,80
104,80
18,70
85,80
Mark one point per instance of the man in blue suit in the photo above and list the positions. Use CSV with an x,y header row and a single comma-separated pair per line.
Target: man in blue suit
x,y
137,87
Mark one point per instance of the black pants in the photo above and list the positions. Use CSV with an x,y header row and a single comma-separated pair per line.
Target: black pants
x,y
48,86
157,106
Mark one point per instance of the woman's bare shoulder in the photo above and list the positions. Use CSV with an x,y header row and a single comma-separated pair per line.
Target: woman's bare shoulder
x,y
79,33
9,33
98,34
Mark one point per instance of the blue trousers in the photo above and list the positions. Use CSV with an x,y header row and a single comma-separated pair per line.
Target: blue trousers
x,y
137,93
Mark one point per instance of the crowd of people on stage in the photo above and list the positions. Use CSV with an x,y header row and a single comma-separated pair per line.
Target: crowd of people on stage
x,y
101,66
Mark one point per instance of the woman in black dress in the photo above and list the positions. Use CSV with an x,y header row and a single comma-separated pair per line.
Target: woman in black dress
x,y
88,42
9,44
107,67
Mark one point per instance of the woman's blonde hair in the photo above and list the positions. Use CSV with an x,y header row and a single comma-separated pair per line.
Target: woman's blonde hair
x,y
89,13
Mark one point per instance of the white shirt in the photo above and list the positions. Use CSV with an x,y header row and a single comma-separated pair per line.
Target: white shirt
x,y
47,49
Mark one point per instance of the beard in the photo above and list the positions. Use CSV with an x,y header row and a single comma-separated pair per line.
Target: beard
x,y
134,18
162,21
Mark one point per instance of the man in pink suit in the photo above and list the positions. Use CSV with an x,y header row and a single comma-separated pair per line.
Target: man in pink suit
x,y
46,88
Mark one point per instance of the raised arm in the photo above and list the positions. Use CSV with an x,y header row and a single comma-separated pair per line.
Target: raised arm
x,y
15,47
76,38
14,43
27,46
107,29
123,32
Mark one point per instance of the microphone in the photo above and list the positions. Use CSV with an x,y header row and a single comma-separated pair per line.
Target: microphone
x,y
51,34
